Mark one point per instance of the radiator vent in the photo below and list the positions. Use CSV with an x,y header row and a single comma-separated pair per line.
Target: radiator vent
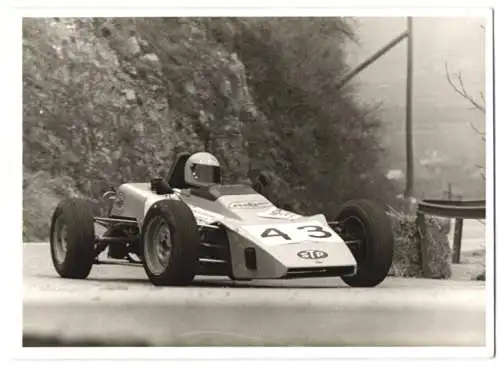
x,y
250,259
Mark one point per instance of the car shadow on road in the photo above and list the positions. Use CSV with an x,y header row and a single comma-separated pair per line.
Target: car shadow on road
x,y
276,284
203,283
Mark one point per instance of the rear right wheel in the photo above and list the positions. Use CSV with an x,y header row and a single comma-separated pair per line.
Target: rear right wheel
x,y
72,238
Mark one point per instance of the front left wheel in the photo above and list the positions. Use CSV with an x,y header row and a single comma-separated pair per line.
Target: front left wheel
x,y
366,225
170,244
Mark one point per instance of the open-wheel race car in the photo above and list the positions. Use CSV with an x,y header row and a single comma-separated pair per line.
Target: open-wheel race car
x,y
189,224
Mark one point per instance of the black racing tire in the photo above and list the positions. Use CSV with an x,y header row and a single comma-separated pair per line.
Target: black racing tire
x,y
72,238
367,221
179,266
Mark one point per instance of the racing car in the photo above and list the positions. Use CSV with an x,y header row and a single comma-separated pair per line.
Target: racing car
x,y
189,223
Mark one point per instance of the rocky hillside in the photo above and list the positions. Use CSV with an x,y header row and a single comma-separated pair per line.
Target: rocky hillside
x,y
112,100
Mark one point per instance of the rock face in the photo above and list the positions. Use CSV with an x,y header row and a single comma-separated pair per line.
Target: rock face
x,y
151,59
100,90
130,95
41,194
133,46
407,260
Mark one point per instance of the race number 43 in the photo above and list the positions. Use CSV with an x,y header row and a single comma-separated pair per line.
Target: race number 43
x,y
281,234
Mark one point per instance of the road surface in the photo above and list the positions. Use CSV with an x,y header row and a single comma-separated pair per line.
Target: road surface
x,y
117,304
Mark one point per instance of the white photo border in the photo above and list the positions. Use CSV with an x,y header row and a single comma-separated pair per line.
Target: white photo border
x,y
11,191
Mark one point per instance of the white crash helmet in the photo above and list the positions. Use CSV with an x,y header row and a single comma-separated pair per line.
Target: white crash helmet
x,y
202,168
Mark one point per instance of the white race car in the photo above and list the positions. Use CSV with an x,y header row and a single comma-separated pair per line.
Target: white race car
x,y
190,224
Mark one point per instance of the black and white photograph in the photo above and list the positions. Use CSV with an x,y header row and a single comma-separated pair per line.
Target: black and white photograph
x,y
250,180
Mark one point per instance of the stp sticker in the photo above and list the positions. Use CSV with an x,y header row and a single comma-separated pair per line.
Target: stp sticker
x,y
312,254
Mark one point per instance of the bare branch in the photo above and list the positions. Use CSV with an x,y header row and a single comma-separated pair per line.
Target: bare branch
x,y
461,90
478,132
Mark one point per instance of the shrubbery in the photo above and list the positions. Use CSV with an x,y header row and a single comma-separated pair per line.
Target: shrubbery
x,y
409,241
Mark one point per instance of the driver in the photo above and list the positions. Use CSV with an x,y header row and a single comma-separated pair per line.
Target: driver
x,y
202,169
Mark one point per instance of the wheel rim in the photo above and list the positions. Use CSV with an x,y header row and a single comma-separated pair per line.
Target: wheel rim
x,y
355,231
60,240
158,245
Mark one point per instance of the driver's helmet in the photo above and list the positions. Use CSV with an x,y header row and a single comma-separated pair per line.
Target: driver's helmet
x,y
202,168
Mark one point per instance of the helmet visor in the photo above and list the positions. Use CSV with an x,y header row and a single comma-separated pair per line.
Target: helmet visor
x,y
206,173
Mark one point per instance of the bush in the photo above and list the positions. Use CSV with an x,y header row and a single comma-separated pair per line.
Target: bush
x,y
480,277
322,143
407,253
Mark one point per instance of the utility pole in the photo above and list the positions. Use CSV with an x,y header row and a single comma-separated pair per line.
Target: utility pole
x,y
393,43
409,110
408,34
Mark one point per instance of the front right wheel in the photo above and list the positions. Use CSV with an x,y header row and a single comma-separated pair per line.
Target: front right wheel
x,y
368,229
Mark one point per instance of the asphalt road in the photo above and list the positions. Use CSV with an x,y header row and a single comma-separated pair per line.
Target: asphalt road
x,y
118,304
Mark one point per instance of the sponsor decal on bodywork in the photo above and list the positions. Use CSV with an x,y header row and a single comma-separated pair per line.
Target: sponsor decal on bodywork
x,y
312,254
277,213
204,217
249,205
